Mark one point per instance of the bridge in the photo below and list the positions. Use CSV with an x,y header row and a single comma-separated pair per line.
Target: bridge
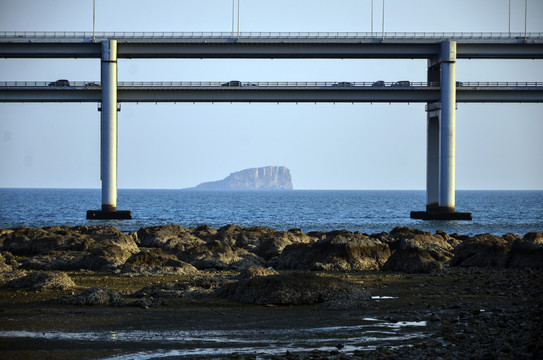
x,y
441,92
350,92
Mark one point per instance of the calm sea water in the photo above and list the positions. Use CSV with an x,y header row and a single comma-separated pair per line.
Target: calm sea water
x,y
495,212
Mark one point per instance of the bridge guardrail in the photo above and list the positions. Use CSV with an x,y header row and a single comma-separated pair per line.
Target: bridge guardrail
x,y
91,84
89,36
263,84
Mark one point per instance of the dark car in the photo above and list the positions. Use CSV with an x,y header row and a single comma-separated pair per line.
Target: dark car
x,y
232,83
403,83
61,82
378,83
343,84
91,84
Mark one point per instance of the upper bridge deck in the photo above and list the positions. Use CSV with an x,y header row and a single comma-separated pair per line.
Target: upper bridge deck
x,y
270,44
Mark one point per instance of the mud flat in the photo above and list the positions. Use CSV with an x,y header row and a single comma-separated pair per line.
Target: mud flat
x,y
256,293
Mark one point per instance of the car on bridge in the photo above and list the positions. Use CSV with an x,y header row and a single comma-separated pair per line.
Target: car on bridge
x,y
378,83
403,83
232,83
343,84
61,82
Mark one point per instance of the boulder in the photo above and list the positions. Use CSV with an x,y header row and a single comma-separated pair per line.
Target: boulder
x,y
158,236
217,255
25,241
43,281
100,259
99,248
243,237
439,246
416,251
295,289
94,296
483,250
272,245
58,260
158,262
336,250
204,232
527,252
412,260
195,287
7,262
255,271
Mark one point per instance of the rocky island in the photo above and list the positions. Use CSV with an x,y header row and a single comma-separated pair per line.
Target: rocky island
x,y
263,178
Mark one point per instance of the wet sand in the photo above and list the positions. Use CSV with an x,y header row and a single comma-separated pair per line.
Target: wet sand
x,y
455,313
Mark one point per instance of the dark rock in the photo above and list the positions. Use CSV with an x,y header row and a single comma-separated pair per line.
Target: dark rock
x,y
57,260
264,178
438,245
254,271
337,250
43,281
72,248
296,289
527,252
412,260
204,232
166,235
483,250
416,251
94,296
239,236
217,255
157,261
196,287
27,241
273,245
105,258
7,262
262,241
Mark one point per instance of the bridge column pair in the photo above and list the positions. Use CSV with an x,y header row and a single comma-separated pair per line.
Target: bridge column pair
x,y
441,138
108,137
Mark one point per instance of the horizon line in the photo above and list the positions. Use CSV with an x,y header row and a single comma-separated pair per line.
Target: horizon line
x,y
244,190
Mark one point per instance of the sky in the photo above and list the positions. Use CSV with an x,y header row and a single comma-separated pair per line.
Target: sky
x,y
357,146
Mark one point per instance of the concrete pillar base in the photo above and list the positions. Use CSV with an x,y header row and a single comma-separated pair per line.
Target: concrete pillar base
x,y
109,215
440,215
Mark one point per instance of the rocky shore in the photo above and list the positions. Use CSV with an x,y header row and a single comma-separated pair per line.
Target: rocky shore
x,y
479,296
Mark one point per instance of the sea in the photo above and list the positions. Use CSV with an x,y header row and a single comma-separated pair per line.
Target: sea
x,y
494,212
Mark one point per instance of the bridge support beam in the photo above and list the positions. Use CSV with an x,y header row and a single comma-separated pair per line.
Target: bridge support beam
x,y
108,136
440,160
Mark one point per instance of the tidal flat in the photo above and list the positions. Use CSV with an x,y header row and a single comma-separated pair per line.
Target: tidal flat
x,y
455,313
169,292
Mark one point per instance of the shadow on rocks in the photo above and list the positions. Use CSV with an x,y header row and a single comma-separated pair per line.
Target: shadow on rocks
x,y
43,281
296,289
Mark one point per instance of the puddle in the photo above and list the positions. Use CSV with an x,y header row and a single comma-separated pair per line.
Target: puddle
x,y
155,344
377,298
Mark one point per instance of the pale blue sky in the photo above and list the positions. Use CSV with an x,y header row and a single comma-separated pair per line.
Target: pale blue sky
x,y
326,146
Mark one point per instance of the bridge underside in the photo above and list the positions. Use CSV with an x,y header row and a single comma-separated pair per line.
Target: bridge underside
x,y
508,93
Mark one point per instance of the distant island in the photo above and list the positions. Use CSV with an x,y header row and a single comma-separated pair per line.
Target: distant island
x,y
263,178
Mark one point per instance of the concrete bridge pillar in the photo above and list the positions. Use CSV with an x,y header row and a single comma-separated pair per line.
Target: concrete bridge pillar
x,y
440,160
108,136
432,157
447,130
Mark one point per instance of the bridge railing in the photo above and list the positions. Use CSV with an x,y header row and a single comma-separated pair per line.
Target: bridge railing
x,y
88,36
261,84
